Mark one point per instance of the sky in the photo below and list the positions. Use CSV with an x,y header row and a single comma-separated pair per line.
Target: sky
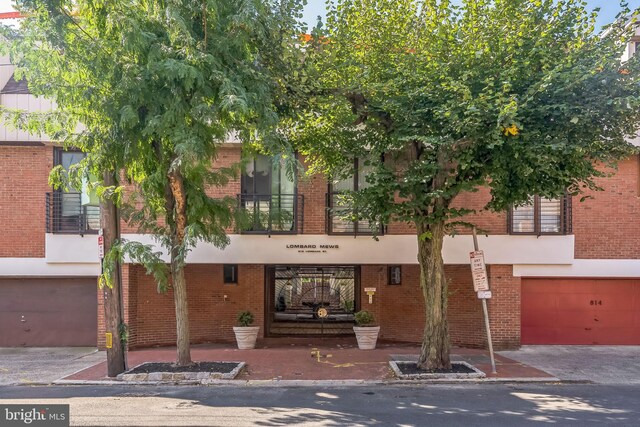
x,y
608,9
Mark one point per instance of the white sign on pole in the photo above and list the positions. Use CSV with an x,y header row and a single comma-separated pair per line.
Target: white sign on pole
x,y
484,294
479,271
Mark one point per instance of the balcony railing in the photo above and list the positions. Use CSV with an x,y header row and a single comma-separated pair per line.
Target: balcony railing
x,y
65,214
272,213
336,209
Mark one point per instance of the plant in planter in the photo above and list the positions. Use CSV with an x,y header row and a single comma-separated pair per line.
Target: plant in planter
x,y
366,333
246,334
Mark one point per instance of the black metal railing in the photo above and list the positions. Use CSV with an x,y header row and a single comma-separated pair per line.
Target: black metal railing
x,y
337,209
65,214
271,213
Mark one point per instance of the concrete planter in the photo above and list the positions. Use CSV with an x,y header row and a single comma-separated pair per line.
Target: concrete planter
x,y
367,336
246,336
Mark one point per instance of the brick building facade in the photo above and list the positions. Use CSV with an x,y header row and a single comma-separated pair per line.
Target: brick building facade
x,y
576,281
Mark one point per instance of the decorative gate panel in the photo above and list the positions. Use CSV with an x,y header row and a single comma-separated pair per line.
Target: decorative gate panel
x,y
310,300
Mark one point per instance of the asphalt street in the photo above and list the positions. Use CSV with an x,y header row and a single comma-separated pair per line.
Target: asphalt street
x,y
409,405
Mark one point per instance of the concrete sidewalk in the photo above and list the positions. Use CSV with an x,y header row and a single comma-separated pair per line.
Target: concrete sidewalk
x,y
597,364
289,360
44,365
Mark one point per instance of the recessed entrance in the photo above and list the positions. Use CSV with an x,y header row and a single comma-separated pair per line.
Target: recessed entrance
x,y
311,300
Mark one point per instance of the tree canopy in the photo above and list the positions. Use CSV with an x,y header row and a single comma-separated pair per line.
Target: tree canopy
x,y
520,96
150,89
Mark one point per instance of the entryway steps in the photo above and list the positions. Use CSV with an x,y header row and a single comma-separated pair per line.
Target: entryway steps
x,y
283,328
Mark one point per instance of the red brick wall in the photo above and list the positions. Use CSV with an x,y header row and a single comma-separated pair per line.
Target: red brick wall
x,y
24,172
102,327
491,222
129,303
151,316
399,310
227,156
605,226
314,190
504,307
608,226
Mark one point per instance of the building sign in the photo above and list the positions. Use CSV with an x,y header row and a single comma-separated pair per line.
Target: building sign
x,y
479,271
313,248
370,292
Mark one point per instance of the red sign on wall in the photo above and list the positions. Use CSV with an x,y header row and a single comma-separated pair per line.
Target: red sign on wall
x,y
100,245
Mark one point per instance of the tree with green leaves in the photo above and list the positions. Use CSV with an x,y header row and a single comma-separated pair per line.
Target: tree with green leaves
x,y
149,89
521,96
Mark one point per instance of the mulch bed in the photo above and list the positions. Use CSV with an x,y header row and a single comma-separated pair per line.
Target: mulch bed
x,y
147,368
411,368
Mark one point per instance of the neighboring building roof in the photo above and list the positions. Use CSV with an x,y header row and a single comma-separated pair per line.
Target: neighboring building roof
x,y
13,87
11,15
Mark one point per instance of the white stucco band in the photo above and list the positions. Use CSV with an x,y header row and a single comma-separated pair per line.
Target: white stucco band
x,y
38,267
71,248
324,249
547,256
612,268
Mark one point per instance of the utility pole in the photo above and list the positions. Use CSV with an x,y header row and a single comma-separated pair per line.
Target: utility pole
x,y
113,311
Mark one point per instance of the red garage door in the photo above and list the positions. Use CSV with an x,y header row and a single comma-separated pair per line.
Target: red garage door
x,y
581,311
48,312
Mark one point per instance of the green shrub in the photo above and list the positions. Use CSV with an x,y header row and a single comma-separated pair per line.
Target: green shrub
x,y
245,318
363,318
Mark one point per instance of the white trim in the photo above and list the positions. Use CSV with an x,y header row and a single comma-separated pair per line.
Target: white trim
x,y
38,267
71,248
395,249
583,268
390,249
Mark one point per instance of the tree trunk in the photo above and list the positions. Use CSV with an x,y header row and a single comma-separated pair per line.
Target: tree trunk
x,y
178,226
435,342
113,311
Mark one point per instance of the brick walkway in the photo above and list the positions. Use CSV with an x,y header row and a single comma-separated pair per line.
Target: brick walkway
x,y
291,359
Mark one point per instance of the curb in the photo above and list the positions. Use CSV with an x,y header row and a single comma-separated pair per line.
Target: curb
x,y
179,377
308,383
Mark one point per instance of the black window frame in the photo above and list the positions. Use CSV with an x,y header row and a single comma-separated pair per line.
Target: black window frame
x,y
253,160
54,216
565,219
329,207
297,200
390,270
234,276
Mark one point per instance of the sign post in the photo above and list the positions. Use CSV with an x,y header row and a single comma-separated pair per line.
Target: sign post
x,y
481,286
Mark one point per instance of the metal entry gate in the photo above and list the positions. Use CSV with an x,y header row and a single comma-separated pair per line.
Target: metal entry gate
x,y
311,300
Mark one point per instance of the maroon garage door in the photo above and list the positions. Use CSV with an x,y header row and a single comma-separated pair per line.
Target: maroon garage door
x,y
581,311
48,312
